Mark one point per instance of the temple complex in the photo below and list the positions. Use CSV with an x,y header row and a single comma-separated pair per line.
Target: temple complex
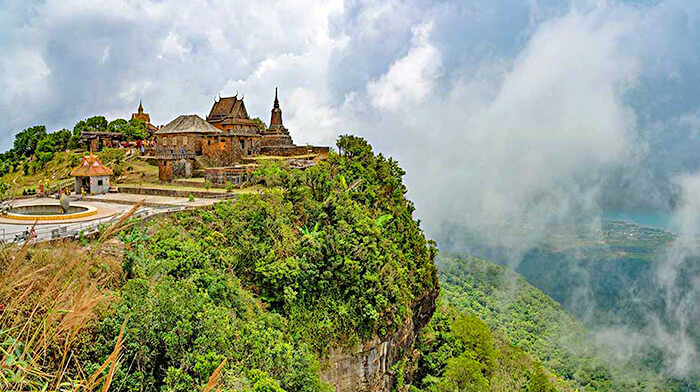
x,y
224,148
145,117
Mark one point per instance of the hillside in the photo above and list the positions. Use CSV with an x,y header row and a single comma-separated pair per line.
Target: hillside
x,y
321,281
250,295
532,321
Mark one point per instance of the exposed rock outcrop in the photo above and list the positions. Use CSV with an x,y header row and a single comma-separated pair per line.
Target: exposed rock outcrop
x,y
367,367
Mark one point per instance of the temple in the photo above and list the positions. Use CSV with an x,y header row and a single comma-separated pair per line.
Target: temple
x,y
145,117
276,134
225,147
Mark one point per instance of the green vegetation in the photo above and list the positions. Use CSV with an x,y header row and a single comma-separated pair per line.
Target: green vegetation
x,y
35,150
458,352
341,262
246,295
133,129
532,321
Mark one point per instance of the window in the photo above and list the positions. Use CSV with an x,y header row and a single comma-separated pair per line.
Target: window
x,y
184,140
99,182
242,144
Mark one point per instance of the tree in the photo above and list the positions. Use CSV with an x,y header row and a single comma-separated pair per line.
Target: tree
x,y
476,338
464,373
133,129
119,125
98,123
137,130
26,141
260,123
91,124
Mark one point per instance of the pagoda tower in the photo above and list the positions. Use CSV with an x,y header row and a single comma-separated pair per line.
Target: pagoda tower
x,y
276,134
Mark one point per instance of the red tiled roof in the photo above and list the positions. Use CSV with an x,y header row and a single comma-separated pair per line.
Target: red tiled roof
x,y
91,166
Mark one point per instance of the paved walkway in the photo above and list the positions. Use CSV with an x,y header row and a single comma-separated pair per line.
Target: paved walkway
x,y
108,205
150,200
104,210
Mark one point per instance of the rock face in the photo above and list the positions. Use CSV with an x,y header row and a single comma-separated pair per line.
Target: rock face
x,y
367,367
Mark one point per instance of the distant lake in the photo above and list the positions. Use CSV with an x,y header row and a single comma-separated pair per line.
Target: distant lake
x,y
656,220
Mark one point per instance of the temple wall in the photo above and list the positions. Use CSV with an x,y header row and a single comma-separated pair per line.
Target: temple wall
x,y
169,169
276,140
177,142
287,151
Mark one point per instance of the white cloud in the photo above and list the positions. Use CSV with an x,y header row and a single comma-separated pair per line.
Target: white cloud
x,y
412,78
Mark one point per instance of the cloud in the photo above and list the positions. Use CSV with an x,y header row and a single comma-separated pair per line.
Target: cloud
x,y
410,79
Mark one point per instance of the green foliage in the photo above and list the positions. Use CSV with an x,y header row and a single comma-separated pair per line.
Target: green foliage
x,y
27,140
458,352
3,190
54,142
92,124
181,328
270,172
260,123
134,129
207,184
112,156
533,322
341,264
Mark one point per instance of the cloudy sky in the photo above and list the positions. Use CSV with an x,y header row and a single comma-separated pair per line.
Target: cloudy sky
x,y
500,110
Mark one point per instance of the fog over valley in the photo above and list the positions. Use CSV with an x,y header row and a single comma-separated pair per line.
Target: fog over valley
x,y
527,129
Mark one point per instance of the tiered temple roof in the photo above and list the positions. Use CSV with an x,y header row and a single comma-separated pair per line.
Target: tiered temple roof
x,y
228,112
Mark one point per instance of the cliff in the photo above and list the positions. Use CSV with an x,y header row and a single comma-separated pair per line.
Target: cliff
x,y
367,367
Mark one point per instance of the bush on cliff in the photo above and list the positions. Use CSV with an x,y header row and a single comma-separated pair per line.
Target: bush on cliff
x,y
330,256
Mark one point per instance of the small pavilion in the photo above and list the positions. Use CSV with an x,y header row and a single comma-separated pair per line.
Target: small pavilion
x,y
92,176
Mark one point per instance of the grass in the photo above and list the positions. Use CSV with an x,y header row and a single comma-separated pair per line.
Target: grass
x,y
138,170
49,295
54,172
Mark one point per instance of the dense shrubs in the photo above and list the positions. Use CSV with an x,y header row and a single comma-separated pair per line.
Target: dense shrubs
x,y
326,256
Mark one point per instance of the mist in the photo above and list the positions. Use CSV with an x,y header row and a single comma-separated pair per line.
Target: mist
x,y
515,121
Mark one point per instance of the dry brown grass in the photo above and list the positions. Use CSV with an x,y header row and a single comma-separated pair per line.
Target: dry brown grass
x,y
215,378
48,295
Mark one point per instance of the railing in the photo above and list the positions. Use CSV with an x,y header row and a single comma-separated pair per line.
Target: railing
x,y
175,155
74,230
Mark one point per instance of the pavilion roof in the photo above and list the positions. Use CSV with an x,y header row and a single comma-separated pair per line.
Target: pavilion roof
x,y
91,166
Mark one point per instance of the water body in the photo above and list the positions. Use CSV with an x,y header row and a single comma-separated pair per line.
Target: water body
x,y
655,219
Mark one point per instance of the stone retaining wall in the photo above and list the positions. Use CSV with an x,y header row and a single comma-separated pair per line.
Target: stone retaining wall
x,y
173,192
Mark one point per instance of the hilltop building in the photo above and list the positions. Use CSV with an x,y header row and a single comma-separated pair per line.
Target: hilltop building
x,y
91,176
225,146
145,117
96,141
178,144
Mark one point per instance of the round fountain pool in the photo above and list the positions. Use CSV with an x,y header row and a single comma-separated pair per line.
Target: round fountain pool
x,y
48,212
